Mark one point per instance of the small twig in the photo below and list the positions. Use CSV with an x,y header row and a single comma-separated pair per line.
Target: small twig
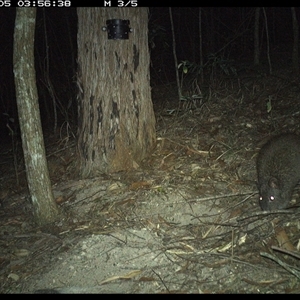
x,y
291,253
161,280
264,213
281,263
250,194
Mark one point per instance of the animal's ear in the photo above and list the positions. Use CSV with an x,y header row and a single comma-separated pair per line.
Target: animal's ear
x,y
273,183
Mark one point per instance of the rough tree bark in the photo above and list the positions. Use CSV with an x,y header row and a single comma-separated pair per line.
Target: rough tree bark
x,y
116,118
44,206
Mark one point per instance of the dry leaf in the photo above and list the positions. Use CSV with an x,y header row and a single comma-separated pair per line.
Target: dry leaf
x,y
60,199
284,241
140,185
129,275
21,252
13,276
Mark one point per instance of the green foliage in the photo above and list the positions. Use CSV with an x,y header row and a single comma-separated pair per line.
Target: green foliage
x,y
157,35
225,65
191,74
189,78
269,105
190,67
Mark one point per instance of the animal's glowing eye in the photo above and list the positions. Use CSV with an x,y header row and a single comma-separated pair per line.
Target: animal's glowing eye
x,y
260,198
272,198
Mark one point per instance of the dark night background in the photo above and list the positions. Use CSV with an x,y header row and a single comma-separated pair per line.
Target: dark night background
x,y
187,218
227,34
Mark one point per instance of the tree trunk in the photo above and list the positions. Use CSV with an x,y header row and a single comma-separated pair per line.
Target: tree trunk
x,y
116,118
256,37
295,55
44,206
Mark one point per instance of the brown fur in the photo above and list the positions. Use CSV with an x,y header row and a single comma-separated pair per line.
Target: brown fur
x,y
278,171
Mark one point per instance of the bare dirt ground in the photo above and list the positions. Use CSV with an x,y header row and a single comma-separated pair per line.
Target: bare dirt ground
x,y
187,220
